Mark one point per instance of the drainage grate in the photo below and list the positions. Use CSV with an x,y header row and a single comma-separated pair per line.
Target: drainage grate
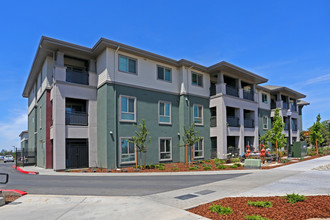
x,y
205,192
185,197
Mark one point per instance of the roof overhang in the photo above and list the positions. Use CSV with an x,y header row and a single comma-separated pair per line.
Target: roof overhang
x,y
286,91
302,102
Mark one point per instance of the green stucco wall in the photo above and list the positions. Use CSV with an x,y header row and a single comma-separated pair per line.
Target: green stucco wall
x,y
108,119
37,133
261,113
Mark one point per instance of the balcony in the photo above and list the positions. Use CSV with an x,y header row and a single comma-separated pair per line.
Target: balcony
x,y
273,105
293,108
286,127
231,91
248,123
77,76
248,95
76,118
233,121
285,105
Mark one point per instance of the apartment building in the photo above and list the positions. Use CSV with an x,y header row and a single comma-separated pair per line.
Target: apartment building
x,y
83,103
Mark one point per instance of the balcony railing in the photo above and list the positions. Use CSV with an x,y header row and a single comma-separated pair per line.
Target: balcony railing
x,y
79,77
293,108
273,105
286,127
230,90
285,105
233,121
213,121
294,127
248,95
76,118
248,123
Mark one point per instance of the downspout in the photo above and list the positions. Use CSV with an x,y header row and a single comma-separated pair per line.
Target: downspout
x,y
189,112
116,108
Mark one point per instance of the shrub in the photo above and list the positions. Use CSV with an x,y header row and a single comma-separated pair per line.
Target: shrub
x,y
160,165
199,162
220,161
221,167
255,217
161,168
301,158
221,210
193,168
238,164
175,168
262,204
294,198
285,161
321,150
207,161
207,168
235,160
233,166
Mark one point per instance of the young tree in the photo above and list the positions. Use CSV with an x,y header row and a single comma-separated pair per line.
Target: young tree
x,y
190,138
141,141
275,135
316,135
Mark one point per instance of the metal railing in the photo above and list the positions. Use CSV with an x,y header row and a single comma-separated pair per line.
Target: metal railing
x,y
79,77
213,121
233,121
26,158
76,118
286,127
230,90
293,108
248,95
273,105
248,123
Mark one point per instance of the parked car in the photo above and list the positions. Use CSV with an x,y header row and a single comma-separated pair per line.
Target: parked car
x,y
1,157
8,158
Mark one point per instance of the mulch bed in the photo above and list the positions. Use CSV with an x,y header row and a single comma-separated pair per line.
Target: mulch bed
x,y
11,198
178,167
312,207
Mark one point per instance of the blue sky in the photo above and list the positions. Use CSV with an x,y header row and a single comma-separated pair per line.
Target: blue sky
x,y
287,42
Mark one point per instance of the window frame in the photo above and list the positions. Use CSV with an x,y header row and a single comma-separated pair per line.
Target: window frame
x,y
136,64
197,74
164,67
263,124
199,150
171,149
202,123
135,110
262,97
121,153
165,102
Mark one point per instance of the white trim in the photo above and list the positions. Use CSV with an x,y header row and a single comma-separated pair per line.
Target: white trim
x,y
165,102
202,150
129,162
171,150
202,114
135,100
136,65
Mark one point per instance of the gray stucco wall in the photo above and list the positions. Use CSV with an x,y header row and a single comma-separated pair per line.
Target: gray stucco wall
x,y
147,108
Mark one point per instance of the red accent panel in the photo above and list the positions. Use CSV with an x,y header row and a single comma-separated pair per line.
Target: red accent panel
x,y
49,144
14,190
23,171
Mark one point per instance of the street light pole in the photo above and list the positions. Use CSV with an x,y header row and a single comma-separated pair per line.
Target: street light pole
x,y
289,147
15,149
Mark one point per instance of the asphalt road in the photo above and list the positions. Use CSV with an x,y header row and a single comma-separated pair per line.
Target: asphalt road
x,y
104,185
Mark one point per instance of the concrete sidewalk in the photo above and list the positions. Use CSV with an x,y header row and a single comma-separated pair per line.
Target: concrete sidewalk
x,y
90,207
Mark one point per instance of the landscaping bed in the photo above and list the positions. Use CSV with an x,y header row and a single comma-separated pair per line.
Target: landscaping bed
x,y
11,198
311,207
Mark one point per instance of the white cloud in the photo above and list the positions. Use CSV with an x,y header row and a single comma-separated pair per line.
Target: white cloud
x,y
320,79
11,128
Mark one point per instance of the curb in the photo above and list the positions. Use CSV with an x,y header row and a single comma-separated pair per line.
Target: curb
x,y
22,193
23,171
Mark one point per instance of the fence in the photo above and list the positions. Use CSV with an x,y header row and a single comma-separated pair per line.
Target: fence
x,y
26,158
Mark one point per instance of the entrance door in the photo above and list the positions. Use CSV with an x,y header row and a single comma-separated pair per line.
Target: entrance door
x,y
76,153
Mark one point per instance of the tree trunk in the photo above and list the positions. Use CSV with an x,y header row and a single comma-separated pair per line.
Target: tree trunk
x,y
186,154
317,148
276,152
192,153
135,157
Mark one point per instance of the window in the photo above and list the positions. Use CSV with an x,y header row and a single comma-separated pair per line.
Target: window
x,y
165,149
198,114
199,149
197,79
127,108
164,112
265,122
164,73
264,98
127,64
127,151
